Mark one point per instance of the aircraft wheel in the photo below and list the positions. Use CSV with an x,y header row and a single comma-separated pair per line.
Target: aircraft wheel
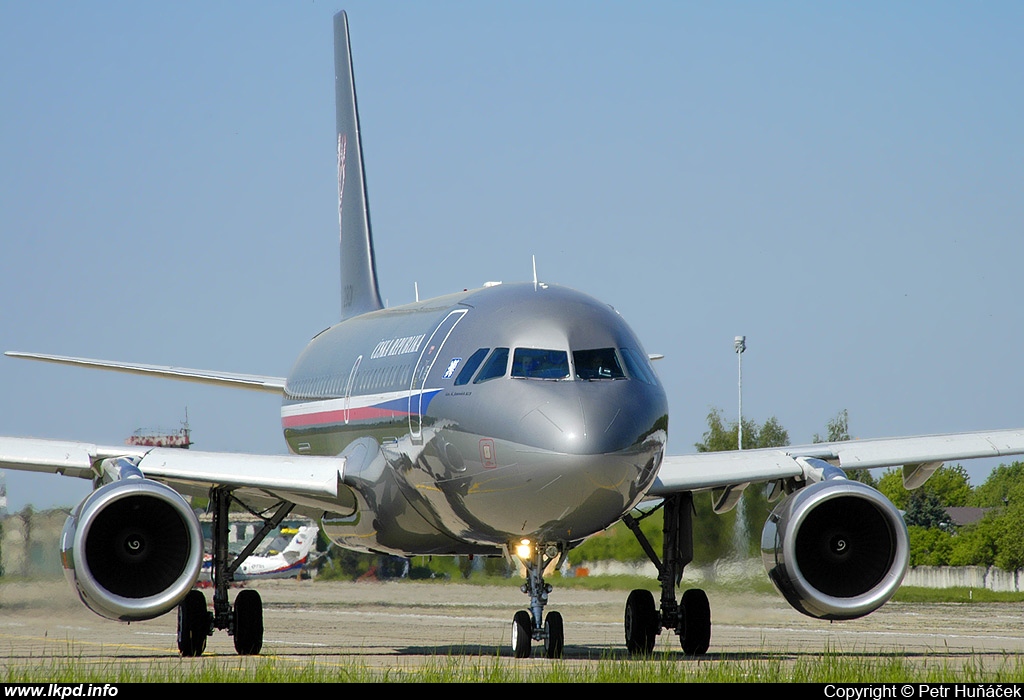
x,y
248,623
554,639
193,624
522,634
695,634
641,621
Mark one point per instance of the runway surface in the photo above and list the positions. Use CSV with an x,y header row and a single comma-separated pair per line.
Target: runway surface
x,y
405,624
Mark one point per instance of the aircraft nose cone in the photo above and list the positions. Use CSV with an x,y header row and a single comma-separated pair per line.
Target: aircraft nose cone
x,y
589,418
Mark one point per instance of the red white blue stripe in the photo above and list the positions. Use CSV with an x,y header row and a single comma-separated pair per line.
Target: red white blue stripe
x,y
369,407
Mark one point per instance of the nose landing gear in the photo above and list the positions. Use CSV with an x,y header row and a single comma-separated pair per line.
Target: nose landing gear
x,y
531,625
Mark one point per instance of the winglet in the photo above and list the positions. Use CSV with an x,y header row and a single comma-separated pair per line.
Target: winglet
x,y
359,292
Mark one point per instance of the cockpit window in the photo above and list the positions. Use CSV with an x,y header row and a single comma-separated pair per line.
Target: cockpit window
x,y
471,364
597,364
531,363
637,366
496,366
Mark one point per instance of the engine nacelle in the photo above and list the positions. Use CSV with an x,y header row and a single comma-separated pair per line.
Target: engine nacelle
x,y
836,550
132,550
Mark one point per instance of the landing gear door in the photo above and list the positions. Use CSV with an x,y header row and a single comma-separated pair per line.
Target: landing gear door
x,y
428,356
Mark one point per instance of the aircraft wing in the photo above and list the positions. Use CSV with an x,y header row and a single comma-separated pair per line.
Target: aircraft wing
x,y
919,455
256,382
315,481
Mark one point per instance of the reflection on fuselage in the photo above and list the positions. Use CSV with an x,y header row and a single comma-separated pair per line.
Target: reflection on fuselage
x,y
473,419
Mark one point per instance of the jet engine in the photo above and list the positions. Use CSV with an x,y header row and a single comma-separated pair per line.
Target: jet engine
x,y
837,549
132,550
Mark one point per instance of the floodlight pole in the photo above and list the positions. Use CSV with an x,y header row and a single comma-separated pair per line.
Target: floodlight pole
x,y
740,344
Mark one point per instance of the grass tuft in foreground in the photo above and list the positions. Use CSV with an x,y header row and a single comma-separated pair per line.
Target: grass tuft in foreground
x,y
770,667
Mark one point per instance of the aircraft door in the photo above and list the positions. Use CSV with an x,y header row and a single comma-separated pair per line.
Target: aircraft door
x,y
350,385
428,356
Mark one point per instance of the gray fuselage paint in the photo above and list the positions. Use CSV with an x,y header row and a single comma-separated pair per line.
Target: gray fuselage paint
x,y
441,468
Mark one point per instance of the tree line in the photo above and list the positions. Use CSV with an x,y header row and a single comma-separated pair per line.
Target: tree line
x,y
995,539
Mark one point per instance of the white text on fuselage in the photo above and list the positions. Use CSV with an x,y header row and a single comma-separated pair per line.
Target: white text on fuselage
x,y
398,346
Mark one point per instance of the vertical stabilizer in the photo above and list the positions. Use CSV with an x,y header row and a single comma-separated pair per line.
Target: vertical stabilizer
x,y
359,293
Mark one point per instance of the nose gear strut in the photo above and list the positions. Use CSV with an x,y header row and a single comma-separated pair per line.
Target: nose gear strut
x,y
531,625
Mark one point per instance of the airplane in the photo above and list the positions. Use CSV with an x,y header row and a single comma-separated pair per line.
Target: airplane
x,y
287,563
512,420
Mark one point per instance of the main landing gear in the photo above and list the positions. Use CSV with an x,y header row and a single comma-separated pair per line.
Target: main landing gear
x,y
244,620
531,625
691,616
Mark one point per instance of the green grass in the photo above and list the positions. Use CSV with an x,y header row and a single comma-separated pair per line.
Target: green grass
x,y
912,594
829,666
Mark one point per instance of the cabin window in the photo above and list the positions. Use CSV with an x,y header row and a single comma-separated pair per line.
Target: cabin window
x,y
532,363
638,366
597,364
471,366
496,366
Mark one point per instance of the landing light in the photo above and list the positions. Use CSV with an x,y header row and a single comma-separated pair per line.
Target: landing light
x,y
524,550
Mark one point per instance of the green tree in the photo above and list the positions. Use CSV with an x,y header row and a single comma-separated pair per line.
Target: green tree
x,y
736,532
772,434
891,486
995,491
721,436
1009,528
929,546
950,485
618,543
933,539
925,510
976,544
838,430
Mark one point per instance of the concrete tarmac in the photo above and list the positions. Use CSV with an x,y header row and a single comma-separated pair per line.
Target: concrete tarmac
x,y
404,624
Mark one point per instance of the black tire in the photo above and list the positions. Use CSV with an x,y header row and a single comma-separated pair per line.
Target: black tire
x,y
193,624
554,639
248,623
695,631
641,622
522,634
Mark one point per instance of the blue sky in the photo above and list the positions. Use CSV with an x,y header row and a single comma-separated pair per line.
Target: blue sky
x,y
839,182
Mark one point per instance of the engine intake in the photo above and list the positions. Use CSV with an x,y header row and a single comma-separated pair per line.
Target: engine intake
x,y
836,550
132,550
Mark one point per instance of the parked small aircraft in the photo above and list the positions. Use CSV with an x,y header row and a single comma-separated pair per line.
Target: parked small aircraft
x,y
286,563
513,420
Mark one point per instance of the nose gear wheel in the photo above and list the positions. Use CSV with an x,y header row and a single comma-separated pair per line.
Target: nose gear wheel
x,y
531,625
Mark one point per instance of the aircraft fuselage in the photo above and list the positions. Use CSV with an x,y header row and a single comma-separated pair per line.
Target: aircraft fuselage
x,y
475,419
